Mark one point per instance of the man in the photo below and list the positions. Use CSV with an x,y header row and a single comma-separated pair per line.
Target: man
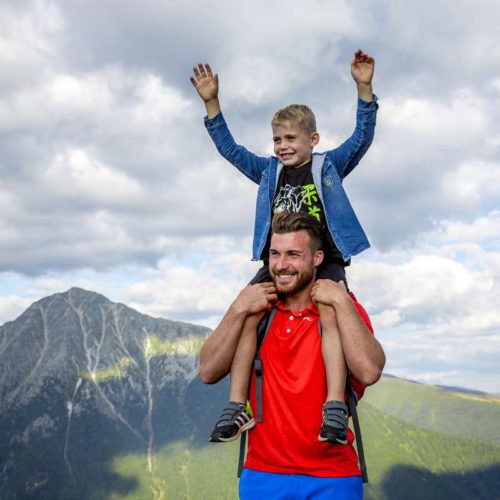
x,y
285,458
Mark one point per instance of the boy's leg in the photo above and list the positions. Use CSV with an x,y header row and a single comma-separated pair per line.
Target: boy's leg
x,y
333,354
237,416
334,427
241,366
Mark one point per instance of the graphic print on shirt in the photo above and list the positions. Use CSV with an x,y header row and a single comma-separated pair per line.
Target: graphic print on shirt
x,y
298,199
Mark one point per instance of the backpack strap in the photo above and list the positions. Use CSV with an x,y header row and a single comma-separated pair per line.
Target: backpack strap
x,y
241,459
352,403
262,331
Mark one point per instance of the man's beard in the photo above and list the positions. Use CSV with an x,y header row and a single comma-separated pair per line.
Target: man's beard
x,y
301,281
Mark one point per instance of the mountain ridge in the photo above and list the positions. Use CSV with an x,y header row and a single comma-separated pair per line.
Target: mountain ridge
x,y
76,369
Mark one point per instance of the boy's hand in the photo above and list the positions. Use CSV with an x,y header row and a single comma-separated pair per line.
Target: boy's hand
x,y
362,68
328,292
256,298
205,83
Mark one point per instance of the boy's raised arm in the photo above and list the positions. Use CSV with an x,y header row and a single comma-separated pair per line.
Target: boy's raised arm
x,y
346,156
362,68
207,86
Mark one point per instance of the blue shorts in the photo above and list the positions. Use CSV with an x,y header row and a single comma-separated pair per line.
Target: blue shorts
x,y
256,485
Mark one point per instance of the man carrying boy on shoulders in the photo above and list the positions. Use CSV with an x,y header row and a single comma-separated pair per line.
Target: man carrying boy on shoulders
x,y
285,458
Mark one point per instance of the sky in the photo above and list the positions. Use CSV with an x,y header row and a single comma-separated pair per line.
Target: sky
x,y
109,181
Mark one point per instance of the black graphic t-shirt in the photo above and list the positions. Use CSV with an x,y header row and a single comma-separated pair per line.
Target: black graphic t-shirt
x,y
296,192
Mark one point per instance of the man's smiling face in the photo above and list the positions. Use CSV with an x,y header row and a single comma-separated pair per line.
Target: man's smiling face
x,y
291,262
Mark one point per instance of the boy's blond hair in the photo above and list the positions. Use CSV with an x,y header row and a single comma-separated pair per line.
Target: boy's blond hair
x,y
297,114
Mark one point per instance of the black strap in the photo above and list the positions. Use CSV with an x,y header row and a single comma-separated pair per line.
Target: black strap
x,y
262,331
241,460
258,385
263,327
352,402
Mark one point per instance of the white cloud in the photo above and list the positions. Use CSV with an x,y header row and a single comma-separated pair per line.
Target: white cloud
x,y
461,116
482,229
12,306
75,174
28,42
109,181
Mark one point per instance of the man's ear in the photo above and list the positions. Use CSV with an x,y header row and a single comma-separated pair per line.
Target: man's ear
x,y
318,257
314,139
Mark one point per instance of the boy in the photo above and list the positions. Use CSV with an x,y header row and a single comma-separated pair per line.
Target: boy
x,y
296,180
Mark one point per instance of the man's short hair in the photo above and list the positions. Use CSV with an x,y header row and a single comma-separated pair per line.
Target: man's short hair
x,y
289,222
297,114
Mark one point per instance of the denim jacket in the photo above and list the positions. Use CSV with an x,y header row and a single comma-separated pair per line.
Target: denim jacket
x,y
328,170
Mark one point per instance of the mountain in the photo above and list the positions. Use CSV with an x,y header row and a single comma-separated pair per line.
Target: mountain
x,y
98,401
83,380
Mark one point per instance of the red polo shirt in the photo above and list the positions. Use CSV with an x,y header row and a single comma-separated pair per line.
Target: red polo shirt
x,y
294,390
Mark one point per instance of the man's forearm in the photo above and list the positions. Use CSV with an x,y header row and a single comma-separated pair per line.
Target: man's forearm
x,y
363,353
217,352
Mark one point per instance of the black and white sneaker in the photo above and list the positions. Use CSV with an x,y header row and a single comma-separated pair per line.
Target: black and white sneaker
x,y
235,419
334,427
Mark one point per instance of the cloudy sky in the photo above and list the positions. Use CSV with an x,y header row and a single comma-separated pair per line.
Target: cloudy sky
x,y
108,179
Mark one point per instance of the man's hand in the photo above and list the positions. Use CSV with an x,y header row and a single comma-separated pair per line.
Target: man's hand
x,y
329,292
205,82
362,68
256,298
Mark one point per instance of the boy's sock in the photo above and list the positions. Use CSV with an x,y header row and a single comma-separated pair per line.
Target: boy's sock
x,y
235,419
334,427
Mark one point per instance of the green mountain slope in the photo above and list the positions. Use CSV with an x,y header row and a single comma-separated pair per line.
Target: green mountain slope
x,y
456,412
404,461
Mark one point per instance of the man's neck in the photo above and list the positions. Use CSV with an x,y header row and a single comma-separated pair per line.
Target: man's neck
x,y
298,301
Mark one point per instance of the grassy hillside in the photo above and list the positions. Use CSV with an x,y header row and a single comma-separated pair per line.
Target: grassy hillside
x,y
435,408
404,460
182,472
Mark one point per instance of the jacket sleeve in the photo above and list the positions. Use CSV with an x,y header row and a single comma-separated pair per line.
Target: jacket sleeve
x,y
245,161
349,153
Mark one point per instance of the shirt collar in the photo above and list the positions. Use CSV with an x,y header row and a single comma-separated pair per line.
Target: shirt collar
x,y
311,309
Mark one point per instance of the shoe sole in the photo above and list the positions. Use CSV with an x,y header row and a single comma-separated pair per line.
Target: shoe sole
x,y
332,440
243,428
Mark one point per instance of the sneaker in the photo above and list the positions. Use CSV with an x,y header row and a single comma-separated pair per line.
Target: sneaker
x,y
334,427
235,419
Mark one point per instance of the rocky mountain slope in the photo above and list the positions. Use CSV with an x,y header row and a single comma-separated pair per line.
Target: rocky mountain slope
x,y
83,379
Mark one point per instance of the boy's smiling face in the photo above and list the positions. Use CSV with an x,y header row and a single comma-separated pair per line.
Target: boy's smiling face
x,y
293,145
